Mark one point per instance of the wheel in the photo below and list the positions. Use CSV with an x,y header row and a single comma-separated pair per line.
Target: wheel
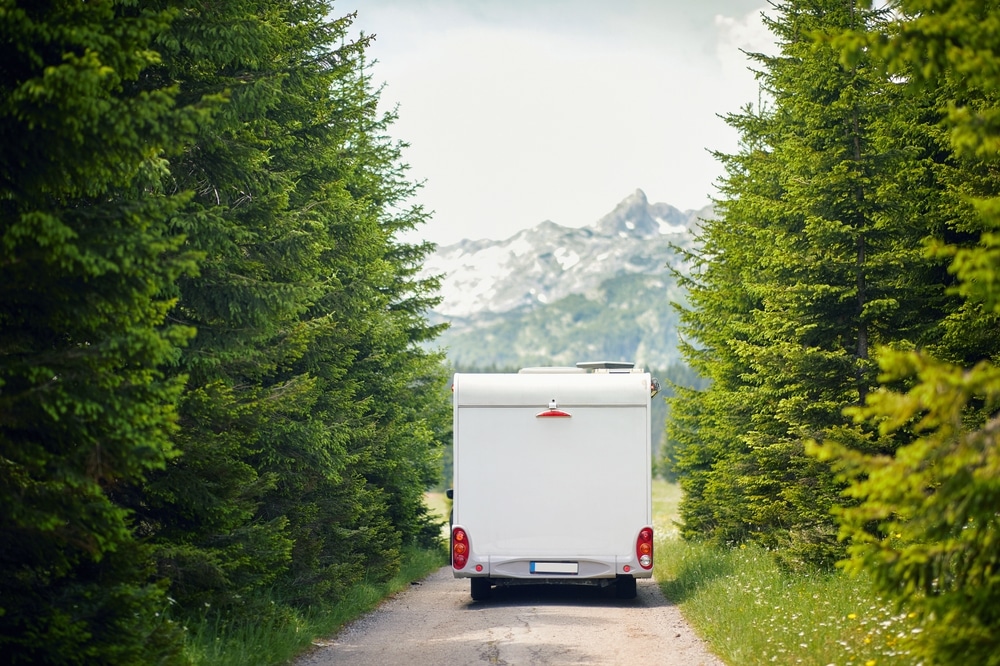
x,y
482,588
625,587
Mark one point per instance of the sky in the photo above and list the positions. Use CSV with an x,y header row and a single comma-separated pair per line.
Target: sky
x,y
521,111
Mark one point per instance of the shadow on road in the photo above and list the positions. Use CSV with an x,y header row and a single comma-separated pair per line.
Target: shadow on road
x,y
648,596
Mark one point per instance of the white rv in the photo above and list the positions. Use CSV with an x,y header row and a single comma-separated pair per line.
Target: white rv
x,y
552,477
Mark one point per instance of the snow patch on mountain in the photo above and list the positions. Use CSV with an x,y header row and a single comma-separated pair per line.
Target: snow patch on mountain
x,y
567,258
665,227
548,262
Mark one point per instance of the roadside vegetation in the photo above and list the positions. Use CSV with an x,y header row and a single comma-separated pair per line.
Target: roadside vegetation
x,y
216,639
751,611
226,639
220,403
844,304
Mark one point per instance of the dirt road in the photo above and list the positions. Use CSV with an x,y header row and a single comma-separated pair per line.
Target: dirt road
x,y
436,622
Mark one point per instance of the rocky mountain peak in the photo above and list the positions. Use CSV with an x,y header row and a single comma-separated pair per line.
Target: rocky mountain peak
x,y
630,218
634,217
547,262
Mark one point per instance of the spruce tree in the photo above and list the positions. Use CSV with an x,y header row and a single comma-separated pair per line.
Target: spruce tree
x,y
218,177
799,280
87,260
925,523
308,317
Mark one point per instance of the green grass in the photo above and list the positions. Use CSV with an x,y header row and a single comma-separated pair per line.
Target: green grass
x,y
277,637
666,499
750,611
440,506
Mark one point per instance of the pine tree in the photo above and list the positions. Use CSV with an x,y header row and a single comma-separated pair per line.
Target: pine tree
x,y
361,518
925,523
308,314
800,279
171,170
202,512
87,260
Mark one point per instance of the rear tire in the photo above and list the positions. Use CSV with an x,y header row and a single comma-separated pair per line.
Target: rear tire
x,y
482,588
625,587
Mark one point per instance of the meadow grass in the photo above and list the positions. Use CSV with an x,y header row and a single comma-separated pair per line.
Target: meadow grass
x,y
276,638
666,513
440,506
751,611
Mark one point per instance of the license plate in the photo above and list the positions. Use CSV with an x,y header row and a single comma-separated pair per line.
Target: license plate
x,y
561,568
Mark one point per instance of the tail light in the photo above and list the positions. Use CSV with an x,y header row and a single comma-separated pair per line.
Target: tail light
x,y
644,548
459,548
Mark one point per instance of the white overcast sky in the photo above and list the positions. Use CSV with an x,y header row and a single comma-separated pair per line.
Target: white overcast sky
x,y
520,111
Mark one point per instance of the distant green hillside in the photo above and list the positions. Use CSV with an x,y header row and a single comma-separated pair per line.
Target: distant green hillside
x,y
628,317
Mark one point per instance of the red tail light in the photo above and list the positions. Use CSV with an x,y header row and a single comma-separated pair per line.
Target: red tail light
x,y
644,548
459,548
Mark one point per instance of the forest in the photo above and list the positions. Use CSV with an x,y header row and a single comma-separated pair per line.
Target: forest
x,y
213,389
846,309
217,383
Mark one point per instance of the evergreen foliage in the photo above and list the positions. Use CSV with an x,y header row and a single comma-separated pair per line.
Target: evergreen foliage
x,y
87,258
845,310
213,376
314,413
810,264
924,521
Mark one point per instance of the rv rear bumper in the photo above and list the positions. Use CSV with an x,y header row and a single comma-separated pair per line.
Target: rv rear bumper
x,y
550,568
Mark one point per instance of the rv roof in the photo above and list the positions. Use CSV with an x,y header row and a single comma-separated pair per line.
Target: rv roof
x,y
554,370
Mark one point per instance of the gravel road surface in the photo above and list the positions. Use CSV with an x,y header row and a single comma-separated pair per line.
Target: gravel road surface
x,y
436,622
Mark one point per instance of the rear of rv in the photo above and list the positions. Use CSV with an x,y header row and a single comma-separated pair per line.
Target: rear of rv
x,y
552,478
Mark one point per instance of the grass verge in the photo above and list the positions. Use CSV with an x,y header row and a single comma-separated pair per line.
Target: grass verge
x,y
750,611
286,633
280,636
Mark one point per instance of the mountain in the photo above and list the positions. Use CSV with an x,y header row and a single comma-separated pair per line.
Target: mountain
x,y
554,295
